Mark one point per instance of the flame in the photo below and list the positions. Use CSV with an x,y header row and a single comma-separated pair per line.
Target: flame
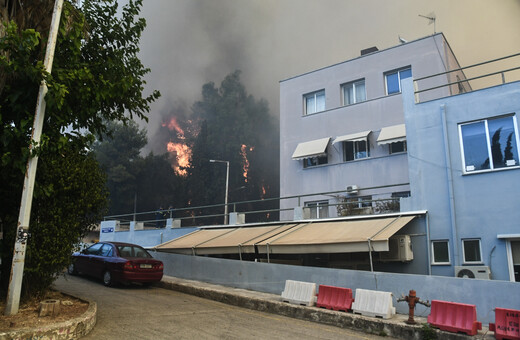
x,y
245,166
179,151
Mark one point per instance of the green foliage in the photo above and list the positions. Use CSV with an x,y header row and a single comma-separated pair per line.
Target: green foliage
x,y
96,77
427,332
235,128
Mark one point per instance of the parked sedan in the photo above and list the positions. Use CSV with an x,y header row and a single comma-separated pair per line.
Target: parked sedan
x,y
117,262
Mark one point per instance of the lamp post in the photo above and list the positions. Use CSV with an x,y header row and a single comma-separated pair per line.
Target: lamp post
x,y
227,187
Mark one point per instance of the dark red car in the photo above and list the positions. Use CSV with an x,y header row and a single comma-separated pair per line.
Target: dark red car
x,y
117,262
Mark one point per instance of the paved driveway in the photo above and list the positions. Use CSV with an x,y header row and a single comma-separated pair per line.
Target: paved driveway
x,y
136,312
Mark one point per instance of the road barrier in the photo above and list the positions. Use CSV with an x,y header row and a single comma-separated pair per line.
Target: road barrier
x,y
507,324
454,317
335,298
373,303
300,293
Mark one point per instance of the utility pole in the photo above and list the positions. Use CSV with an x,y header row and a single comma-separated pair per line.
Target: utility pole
x,y
15,281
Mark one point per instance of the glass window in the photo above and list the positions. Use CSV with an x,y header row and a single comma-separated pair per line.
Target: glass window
x,y
313,161
106,250
318,209
356,150
471,250
393,80
315,102
440,252
489,144
94,249
398,147
354,92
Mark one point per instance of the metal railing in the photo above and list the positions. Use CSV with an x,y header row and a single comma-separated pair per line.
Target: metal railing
x,y
465,84
259,210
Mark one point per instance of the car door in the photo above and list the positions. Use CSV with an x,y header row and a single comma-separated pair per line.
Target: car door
x,y
84,260
98,261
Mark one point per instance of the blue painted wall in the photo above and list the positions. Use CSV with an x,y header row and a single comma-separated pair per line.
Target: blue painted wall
x,y
473,205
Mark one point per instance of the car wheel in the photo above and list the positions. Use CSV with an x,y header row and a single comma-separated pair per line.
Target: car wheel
x,y
72,269
107,279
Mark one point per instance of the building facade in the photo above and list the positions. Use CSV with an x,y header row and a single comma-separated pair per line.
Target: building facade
x,y
342,132
464,169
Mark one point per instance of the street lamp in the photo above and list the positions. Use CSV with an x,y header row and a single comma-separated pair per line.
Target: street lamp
x,y
227,187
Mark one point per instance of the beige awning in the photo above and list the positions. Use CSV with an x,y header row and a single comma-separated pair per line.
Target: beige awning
x,y
314,148
343,236
222,241
392,134
336,237
355,137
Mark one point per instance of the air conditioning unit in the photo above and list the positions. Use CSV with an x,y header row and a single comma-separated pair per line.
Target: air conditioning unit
x,y
473,272
352,189
400,249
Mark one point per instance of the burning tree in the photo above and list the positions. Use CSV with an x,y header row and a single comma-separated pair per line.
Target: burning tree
x,y
237,128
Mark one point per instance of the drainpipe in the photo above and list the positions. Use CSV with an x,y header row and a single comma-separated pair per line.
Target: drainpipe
x,y
240,251
454,231
268,260
370,255
428,245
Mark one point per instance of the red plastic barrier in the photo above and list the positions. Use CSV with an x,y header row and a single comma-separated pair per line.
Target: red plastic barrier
x,y
335,298
454,317
507,324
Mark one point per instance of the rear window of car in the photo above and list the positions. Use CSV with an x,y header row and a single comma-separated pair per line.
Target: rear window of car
x,y
132,251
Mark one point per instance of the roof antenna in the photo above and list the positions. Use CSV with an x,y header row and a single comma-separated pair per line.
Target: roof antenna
x,y
431,18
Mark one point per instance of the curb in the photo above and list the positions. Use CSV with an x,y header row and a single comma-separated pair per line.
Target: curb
x,y
70,329
271,303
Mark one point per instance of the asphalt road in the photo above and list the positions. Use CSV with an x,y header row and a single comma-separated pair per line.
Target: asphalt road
x,y
136,312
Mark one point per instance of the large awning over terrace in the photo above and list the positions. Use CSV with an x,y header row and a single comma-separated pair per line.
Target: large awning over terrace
x,y
342,236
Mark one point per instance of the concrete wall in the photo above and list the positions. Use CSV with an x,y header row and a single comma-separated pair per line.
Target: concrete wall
x,y
462,205
270,278
145,238
425,56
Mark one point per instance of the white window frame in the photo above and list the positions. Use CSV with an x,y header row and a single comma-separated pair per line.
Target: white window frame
x,y
464,252
433,252
398,71
354,149
354,85
314,94
466,169
405,148
318,206
324,159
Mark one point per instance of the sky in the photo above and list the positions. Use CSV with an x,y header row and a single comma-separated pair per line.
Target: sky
x,y
188,43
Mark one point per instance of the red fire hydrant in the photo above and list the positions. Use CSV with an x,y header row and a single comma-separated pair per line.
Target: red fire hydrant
x,y
412,300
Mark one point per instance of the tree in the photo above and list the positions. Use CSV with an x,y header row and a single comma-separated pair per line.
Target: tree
x,y
118,153
238,129
96,77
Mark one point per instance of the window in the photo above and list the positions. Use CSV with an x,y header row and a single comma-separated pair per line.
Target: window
x,y
489,144
355,150
440,252
313,161
314,102
106,250
94,249
397,147
471,251
318,209
354,92
393,79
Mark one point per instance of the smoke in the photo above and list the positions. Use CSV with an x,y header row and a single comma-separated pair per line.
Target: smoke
x,y
188,43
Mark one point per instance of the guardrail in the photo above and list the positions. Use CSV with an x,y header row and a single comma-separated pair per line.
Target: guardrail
x,y
463,84
261,210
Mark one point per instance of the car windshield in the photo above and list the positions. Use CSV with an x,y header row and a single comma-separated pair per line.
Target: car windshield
x,y
132,251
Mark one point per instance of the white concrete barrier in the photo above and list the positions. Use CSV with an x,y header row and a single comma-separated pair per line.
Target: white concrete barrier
x,y
300,293
373,303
